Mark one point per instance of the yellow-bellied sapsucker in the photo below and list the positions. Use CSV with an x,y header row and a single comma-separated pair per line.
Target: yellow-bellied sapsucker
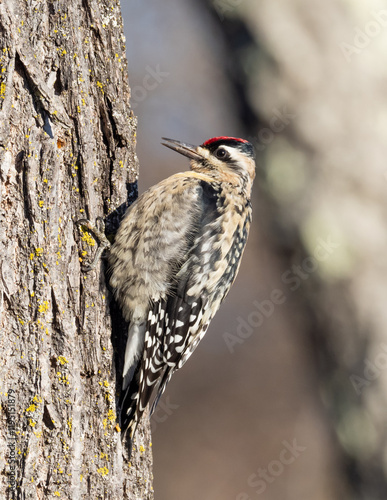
x,y
174,259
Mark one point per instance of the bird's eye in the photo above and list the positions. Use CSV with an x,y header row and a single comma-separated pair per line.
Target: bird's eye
x,y
222,153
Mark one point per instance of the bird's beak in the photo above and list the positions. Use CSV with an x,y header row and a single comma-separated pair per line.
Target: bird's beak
x,y
181,147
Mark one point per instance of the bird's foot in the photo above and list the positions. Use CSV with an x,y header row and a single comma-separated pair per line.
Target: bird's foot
x,y
97,232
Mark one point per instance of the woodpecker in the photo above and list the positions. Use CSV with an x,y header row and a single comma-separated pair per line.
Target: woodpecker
x,y
174,259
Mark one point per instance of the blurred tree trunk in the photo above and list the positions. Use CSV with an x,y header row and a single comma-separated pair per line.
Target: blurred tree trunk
x,y
311,74
67,151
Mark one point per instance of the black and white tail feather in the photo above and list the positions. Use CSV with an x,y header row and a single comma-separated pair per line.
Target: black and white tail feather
x,y
173,331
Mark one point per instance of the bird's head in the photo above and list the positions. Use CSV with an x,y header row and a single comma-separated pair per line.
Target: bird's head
x,y
225,159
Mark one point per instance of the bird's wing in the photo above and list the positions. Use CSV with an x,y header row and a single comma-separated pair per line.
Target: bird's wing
x,y
177,322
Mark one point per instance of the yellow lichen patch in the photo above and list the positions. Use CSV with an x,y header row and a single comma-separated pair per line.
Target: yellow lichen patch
x,y
38,251
142,449
57,494
63,378
2,90
65,446
100,86
104,471
62,360
31,408
43,308
87,238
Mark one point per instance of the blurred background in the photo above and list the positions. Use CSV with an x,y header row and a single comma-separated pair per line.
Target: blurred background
x,y
285,398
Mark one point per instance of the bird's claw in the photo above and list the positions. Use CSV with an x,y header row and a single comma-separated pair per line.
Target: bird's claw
x,y
99,235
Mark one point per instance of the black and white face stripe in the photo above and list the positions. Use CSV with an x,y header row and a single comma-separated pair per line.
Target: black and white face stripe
x,y
230,145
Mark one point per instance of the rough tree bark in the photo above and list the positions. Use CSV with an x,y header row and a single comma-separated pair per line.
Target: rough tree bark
x,y
67,151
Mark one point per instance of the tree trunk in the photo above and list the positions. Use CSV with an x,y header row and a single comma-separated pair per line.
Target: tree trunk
x,y
67,151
